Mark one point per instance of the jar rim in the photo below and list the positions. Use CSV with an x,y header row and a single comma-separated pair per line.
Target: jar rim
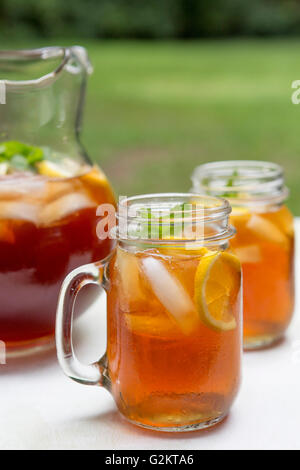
x,y
242,182
172,209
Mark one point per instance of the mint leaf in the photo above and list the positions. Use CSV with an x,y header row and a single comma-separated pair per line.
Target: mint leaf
x,y
230,184
35,155
160,226
19,163
19,156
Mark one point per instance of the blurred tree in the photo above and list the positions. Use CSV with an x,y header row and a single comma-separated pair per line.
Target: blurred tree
x,y
151,19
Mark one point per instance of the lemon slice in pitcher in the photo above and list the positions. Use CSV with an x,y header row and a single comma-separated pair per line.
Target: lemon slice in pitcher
x,y
96,176
53,170
67,168
217,284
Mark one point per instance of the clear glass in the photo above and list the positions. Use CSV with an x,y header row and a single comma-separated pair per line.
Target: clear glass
x,y
264,242
49,190
174,335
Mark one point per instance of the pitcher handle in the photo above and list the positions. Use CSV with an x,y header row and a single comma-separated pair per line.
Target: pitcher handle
x,y
93,374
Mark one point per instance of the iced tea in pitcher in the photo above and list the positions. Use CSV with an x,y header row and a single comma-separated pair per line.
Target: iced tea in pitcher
x,y
264,242
47,228
49,191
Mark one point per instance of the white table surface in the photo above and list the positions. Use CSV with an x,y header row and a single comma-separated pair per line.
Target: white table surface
x,y
40,408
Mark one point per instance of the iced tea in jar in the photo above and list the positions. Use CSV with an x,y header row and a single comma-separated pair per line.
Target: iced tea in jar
x,y
49,191
264,241
173,313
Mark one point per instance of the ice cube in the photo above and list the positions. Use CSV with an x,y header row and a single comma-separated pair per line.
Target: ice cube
x,y
152,325
17,210
21,184
248,254
3,168
56,189
171,294
284,221
64,206
266,230
131,295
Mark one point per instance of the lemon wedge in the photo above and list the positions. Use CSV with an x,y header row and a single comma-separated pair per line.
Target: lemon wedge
x,y
217,285
95,176
67,169
53,170
240,215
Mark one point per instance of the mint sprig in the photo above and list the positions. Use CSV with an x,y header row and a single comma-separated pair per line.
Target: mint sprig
x,y
19,156
230,184
159,226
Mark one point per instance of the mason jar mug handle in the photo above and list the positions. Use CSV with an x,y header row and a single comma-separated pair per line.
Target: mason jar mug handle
x,y
93,374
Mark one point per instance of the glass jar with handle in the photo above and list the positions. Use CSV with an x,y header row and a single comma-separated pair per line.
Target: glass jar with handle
x,y
173,313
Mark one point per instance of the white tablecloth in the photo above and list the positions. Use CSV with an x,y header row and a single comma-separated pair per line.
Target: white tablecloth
x,y
42,409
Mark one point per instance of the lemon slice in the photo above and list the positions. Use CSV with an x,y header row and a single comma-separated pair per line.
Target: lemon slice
x,y
240,215
188,249
53,170
95,176
217,284
67,168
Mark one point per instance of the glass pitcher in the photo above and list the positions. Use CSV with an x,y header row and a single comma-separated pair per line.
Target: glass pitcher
x,y
49,190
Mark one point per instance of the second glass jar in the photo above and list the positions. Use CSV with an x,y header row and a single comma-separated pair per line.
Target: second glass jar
x,y
264,241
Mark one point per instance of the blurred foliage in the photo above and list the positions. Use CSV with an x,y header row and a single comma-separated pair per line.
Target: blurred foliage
x,y
150,19
155,110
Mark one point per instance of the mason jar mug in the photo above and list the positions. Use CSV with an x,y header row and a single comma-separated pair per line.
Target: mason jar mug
x,y
173,313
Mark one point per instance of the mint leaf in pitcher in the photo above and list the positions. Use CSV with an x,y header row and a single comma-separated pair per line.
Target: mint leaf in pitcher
x,y
19,156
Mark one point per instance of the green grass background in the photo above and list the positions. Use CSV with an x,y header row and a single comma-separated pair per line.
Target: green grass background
x,y
155,110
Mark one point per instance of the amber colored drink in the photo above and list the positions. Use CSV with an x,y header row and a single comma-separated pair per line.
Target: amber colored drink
x,y
174,333
264,241
168,365
47,228
265,245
